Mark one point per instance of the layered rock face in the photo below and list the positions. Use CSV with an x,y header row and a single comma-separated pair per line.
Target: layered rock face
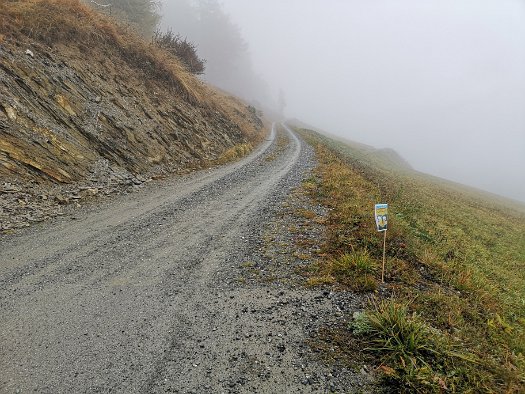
x,y
61,119
76,123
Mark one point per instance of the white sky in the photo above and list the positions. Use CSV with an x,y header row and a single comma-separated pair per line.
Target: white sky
x,y
440,81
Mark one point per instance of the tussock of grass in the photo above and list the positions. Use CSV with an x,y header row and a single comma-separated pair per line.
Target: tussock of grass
x,y
415,357
355,271
235,152
455,271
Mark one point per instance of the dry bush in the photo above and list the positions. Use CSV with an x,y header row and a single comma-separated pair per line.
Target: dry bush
x,y
234,153
181,48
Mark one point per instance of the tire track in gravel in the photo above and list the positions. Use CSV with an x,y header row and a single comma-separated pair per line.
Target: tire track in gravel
x,y
86,305
143,294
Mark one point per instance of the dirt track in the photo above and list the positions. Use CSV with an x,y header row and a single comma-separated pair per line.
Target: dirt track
x,y
144,293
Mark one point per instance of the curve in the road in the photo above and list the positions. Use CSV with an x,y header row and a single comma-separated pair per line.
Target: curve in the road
x,y
113,301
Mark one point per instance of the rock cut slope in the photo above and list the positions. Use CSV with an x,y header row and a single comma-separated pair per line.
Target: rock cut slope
x,y
85,103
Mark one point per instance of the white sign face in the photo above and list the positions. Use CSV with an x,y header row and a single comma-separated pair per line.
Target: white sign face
x,y
381,214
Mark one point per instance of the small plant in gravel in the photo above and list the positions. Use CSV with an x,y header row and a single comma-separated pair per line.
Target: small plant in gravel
x,y
360,324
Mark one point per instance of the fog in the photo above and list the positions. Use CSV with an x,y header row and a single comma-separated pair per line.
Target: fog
x,y
440,81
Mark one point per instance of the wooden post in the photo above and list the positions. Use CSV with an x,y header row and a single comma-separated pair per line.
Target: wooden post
x,y
384,257
381,216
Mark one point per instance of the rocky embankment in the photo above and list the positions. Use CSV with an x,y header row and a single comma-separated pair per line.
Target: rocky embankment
x,y
75,124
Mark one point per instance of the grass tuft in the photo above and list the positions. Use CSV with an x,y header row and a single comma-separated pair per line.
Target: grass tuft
x,y
234,153
415,357
356,270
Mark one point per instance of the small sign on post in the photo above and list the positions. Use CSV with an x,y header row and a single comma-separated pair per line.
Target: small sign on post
x,y
381,215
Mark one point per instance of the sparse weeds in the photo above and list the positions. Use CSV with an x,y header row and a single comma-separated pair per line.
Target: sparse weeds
x,y
306,213
282,143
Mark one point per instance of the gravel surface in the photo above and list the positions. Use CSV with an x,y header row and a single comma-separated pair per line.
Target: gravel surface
x,y
157,291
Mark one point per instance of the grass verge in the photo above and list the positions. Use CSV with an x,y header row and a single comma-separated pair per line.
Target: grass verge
x,y
451,315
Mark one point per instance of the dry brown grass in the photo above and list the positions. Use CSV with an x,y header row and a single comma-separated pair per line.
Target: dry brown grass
x,y
237,110
234,153
73,24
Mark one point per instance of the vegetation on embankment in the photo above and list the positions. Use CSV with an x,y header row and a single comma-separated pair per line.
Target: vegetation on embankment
x,y
451,315
92,88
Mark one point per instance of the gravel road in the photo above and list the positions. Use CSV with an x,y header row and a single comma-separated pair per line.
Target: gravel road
x,y
144,293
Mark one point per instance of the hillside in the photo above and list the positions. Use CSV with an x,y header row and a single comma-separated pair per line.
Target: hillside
x,y
450,316
387,158
87,107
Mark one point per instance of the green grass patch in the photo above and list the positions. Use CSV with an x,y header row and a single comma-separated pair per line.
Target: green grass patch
x,y
415,357
356,271
455,274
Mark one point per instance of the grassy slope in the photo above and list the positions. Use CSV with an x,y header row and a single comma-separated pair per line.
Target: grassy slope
x,y
454,257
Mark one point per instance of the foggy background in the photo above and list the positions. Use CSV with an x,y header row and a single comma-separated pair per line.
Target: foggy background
x,y
440,81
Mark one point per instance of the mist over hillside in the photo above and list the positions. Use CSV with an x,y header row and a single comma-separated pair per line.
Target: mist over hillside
x,y
441,82
220,42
